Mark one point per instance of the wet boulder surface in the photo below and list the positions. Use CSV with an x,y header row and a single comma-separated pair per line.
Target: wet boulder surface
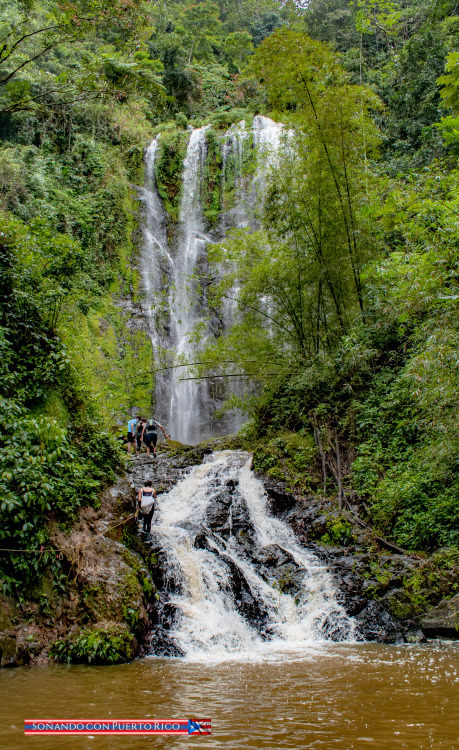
x,y
443,620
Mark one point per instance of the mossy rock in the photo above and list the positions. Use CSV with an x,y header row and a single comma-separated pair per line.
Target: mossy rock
x,y
112,643
8,612
292,458
169,169
442,620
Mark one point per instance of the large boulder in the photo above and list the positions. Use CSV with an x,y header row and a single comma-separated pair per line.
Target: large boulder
x,y
374,623
442,620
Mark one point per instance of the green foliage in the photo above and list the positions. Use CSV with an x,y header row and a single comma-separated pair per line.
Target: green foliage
x,y
35,75
108,645
450,82
238,45
413,101
168,169
264,26
435,579
290,457
303,265
339,531
51,462
43,473
212,182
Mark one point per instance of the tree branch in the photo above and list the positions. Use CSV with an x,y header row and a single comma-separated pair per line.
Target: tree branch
x,y
27,62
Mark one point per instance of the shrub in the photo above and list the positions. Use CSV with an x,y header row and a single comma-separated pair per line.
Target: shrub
x,y
107,645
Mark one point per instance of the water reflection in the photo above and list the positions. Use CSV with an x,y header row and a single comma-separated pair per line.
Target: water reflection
x,y
348,697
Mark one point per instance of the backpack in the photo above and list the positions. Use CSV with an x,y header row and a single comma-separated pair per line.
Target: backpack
x,y
147,502
151,425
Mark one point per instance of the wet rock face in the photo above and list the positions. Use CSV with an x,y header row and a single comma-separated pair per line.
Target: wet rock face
x,y
164,617
280,500
227,515
374,623
218,512
442,621
248,606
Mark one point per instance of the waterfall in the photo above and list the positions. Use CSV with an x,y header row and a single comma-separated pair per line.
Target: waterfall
x,y
242,583
174,304
267,139
240,214
187,409
157,265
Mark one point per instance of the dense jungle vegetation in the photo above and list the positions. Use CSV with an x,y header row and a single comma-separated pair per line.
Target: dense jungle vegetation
x,y
356,257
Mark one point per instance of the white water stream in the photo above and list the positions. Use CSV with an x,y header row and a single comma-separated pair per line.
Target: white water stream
x,y
187,398
173,301
211,623
157,267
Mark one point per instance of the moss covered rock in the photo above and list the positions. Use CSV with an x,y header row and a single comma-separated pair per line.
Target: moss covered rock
x,y
110,643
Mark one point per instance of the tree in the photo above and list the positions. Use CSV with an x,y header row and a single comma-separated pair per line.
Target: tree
x,y
238,45
201,24
306,87
265,26
29,37
297,282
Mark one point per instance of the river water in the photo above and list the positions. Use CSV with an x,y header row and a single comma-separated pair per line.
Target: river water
x,y
323,697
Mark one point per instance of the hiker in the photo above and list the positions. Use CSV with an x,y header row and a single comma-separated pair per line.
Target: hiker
x,y
146,498
150,435
140,425
131,428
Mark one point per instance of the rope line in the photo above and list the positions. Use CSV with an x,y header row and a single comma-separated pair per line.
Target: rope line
x,y
69,549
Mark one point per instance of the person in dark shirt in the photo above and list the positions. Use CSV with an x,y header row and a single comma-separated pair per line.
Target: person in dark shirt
x,y
140,425
150,434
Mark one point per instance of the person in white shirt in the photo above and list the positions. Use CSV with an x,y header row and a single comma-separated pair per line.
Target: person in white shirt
x,y
146,497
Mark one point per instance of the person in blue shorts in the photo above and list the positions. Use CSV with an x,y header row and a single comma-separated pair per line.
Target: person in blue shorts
x,y
131,430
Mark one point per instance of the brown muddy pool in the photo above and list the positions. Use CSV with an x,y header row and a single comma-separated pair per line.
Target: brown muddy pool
x,y
326,697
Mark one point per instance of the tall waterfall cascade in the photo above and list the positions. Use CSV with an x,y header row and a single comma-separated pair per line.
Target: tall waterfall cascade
x,y
173,257
239,581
